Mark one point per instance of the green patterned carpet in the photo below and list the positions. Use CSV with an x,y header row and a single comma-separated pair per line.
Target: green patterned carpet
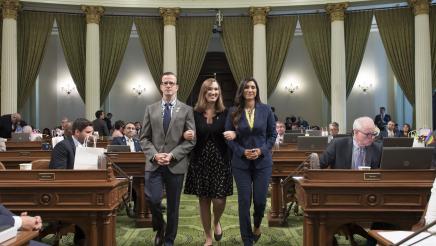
x,y
190,230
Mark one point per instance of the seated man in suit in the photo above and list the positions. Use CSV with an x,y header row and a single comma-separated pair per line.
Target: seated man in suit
x,y
62,156
128,138
280,129
390,131
352,152
22,222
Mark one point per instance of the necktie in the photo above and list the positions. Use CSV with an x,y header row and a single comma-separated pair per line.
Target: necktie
x,y
166,117
359,158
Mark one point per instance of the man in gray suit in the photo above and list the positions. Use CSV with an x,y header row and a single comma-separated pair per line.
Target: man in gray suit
x,y
166,154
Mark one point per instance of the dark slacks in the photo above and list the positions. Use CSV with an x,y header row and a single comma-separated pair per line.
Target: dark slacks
x,y
251,183
154,182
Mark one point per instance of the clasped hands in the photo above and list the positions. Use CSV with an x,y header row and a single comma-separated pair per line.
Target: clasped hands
x,y
190,135
30,223
252,154
163,159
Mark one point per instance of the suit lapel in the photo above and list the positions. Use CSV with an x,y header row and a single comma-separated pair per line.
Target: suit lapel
x,y
349,153
174,115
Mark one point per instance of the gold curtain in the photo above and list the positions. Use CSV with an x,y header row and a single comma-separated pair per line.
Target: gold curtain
x,y
193,36
33,31
279,33
150,30
397,29
114,37
237,40
433,44
72,34
317,38
357,27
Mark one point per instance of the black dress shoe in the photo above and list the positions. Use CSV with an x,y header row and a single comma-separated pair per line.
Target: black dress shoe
x,y
160,237
218,236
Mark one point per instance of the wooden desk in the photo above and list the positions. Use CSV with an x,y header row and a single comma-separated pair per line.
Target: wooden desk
x,y
22,238
133,164
11,159
86,198
285,162
331,198
29,145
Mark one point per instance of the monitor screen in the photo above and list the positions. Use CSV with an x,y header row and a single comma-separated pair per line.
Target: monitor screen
x,y
397,142
406,158
118,148
314,132
312,143
291,137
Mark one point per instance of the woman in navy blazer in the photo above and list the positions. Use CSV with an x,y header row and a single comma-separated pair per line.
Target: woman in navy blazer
x,y
254,124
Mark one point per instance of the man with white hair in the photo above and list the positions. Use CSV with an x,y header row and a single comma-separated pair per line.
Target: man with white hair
x,y
356,151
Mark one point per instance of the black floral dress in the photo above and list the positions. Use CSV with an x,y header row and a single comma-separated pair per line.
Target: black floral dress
x,y
209,173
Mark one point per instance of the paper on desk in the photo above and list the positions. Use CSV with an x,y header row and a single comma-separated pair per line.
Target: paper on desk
x,y
396,236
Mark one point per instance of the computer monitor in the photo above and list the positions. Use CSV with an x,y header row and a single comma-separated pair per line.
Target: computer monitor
x,y
406,158
20,137
397,142
294,131
291,137
118,148
314,132
312,142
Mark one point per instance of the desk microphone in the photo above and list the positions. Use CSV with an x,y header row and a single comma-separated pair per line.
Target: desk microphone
x,y
416,233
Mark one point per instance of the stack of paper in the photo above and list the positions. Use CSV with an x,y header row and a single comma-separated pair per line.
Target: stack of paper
x,y
422,239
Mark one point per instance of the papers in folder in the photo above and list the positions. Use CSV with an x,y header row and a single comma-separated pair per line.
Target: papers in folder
x,y
422,239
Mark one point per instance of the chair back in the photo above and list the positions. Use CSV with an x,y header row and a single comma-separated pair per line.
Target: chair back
x,y
41,164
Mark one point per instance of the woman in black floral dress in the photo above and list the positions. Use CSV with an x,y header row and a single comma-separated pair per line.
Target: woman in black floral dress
x,y
209,173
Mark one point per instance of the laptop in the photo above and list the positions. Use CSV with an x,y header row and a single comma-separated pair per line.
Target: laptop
x,y
406,158
118,148
314,132
397,142
312,142
20,137
291,137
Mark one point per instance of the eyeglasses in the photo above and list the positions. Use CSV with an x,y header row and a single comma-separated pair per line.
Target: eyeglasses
x,y
170,83
130,128
369,134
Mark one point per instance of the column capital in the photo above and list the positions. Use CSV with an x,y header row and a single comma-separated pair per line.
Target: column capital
x,y
259,14
169,15
10,9
93,13
336,11
420,6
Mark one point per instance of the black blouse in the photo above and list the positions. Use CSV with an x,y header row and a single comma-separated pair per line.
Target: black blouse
x,y
213,132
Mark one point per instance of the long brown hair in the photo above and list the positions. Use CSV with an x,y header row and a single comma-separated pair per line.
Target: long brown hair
x,y
201,104
240,100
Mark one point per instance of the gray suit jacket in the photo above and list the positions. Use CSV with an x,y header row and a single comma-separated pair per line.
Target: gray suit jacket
x,y
154,140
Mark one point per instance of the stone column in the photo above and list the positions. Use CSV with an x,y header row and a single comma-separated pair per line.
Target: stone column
x,y
423,78
259,15
9,57
170,45
338,74
92,77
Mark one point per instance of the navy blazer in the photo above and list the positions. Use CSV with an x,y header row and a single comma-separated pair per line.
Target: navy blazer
x,y
62,156
339,154
263,136
122,141
6,217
